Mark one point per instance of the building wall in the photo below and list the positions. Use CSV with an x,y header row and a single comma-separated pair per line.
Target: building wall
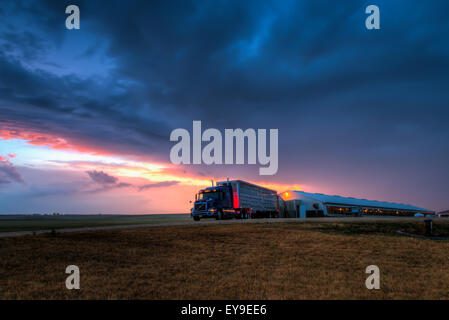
x,y
296,208
316,207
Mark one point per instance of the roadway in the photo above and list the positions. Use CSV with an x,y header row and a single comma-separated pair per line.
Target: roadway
x,y
233,221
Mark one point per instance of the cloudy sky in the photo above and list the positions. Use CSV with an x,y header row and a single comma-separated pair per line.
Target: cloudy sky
x,y
86,115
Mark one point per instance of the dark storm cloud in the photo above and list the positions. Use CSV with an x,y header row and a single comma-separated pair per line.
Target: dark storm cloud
x,y
158,185
9,173
346,100
106,181
108,187
81,110
109,182
101,177
226,64
207,61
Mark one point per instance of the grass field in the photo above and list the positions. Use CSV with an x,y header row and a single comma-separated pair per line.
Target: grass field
x,y
234,261
41,222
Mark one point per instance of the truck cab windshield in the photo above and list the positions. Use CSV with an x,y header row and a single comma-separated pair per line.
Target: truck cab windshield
x,y
209,195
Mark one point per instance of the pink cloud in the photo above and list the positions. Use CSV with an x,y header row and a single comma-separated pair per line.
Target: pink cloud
x,y
43,139
102,177
9,173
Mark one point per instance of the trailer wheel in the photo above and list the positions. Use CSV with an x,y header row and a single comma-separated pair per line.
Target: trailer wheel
x,y
196,218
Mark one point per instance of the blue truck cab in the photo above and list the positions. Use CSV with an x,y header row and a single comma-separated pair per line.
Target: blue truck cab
x,y
213,202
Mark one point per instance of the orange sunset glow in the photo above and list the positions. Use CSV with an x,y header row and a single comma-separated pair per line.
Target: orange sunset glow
x,y
144,186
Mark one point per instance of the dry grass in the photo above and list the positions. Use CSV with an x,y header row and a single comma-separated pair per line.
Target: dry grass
x,y
239,261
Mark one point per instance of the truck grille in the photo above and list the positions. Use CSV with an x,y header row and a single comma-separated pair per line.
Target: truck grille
x,y
200,207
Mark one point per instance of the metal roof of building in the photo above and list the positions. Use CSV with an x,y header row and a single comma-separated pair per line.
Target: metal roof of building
x,y
358,202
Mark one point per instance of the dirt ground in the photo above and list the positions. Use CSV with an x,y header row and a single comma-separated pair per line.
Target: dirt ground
x,y
228,261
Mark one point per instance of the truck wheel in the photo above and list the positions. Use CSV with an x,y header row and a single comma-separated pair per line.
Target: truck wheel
x,y
220,215
196,218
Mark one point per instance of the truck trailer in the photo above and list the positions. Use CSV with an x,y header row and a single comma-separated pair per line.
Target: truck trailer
x,y
235,199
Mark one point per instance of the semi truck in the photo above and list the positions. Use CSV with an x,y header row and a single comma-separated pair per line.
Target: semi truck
x,y
235,199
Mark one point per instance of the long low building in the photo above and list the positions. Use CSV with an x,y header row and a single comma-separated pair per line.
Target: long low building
x,y
443,214
302,204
